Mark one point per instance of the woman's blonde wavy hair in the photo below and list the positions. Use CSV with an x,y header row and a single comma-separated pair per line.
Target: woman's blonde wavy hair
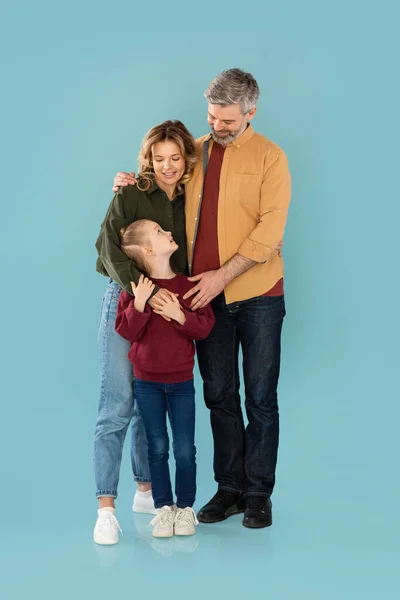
x,y
174,131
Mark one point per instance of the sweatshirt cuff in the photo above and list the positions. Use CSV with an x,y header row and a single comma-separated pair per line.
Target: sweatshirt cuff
x,y
189,317
137,314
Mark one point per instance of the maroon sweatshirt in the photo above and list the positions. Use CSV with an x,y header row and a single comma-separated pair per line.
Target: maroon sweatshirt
x,y
163,351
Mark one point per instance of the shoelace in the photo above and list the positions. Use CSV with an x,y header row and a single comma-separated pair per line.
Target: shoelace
x,y
187,515
108,518
163,517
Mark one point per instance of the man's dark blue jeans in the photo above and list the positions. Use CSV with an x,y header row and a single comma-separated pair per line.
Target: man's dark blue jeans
x,y
244,459
155,401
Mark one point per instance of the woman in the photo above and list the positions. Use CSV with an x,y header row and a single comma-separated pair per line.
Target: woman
x,y
166,163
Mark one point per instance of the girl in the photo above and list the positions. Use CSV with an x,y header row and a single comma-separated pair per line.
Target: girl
x,y
162,354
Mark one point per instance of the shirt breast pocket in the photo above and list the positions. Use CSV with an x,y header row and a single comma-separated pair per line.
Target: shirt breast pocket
x,y
248,190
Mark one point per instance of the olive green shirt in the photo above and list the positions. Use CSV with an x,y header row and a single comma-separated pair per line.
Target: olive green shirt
x,y
131,204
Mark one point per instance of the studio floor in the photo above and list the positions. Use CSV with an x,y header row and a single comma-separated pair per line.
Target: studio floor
x,y
314,550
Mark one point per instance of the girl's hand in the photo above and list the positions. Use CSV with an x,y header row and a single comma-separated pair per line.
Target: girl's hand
x,y
171,309
142,292
156,302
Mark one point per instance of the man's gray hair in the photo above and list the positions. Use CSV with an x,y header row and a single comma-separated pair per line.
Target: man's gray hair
x,y
234,87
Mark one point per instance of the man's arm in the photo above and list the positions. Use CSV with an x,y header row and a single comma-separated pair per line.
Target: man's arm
x,y
274,206
235,266
212,283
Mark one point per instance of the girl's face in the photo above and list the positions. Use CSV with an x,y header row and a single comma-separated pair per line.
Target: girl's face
x,y
161,242
168,162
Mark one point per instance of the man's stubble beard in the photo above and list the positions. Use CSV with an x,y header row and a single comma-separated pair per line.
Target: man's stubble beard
x,y
224,141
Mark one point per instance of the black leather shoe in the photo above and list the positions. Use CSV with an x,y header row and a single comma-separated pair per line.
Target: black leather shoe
x,y
258,512
223,505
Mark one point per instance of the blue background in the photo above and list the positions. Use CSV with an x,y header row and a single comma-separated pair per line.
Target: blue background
x,y
81,84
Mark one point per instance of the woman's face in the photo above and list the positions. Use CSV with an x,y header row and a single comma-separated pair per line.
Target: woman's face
x,y
168,162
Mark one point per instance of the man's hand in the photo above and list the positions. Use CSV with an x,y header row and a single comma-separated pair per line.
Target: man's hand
x,y
210,284
142,292
122,179
171,309
158,300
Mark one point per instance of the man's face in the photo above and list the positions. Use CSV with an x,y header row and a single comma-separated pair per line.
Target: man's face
x,y
227,122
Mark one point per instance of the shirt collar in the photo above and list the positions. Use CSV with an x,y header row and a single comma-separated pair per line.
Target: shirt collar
x,y
243,138
153,188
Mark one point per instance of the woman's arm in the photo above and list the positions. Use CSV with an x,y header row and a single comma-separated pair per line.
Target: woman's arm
x,y
118,266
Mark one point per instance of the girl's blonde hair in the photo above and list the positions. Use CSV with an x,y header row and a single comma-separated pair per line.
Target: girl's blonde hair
x,y
134,238
174,131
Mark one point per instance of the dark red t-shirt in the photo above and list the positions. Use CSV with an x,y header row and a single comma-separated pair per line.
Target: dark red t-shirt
x,y
206,251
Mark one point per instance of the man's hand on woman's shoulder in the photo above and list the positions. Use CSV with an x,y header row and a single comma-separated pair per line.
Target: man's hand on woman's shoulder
x,y
123,179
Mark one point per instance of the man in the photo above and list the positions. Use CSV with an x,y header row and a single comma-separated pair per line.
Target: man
x,y
236,210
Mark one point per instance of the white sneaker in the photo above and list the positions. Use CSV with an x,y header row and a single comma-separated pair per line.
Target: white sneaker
x,y
143,504
106,528
143,533
163,523
185,521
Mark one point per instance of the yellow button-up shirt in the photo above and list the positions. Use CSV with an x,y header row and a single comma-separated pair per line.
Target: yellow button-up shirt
x,y
253,202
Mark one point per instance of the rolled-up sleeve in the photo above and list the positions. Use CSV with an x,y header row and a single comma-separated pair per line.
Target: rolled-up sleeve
x,y
274,205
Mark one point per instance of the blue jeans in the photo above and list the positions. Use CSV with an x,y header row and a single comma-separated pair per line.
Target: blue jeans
x,y
116,407
244,458
155,400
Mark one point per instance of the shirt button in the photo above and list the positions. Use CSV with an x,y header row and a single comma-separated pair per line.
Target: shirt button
x,y
199,195
195,218
191,242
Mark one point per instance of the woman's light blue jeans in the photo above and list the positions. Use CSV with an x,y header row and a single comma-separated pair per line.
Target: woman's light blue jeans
x,y
116,408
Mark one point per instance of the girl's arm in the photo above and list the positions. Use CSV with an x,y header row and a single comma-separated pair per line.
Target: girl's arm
x,y
130,323
198,324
